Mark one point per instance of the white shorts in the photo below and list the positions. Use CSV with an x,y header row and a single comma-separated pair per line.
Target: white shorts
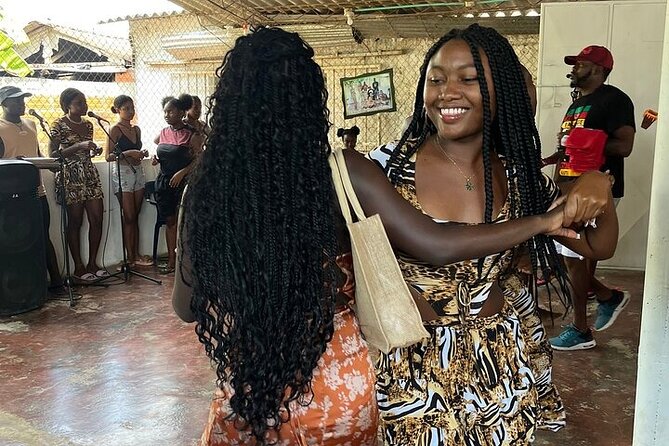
x,y
563,250
130,181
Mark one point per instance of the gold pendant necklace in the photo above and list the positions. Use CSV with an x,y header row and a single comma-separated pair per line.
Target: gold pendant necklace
x,y
468,179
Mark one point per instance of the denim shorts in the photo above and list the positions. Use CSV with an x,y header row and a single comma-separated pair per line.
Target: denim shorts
x,y
130,181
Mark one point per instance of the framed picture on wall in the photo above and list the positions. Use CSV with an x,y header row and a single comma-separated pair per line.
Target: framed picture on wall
x,y
368,94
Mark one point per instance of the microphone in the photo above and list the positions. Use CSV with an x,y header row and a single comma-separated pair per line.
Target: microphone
x,y
99,118
34,114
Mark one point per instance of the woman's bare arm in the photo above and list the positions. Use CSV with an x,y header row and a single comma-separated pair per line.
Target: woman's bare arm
x,y
414,233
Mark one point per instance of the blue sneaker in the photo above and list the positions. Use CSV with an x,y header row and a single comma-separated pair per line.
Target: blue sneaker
x,y
608,311
573,339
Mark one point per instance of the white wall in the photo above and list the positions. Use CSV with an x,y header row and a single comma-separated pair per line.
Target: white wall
x,y
110,254
633,31
652,393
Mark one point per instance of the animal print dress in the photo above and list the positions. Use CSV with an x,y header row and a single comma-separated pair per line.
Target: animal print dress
x,y
471,382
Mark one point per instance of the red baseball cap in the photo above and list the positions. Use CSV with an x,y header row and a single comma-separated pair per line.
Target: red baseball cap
x,y
593,53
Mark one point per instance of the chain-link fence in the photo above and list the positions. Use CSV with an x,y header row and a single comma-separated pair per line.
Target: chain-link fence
x,y
404,56
178,53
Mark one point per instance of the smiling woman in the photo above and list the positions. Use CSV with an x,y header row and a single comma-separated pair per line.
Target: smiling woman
x,y
452,96
482,378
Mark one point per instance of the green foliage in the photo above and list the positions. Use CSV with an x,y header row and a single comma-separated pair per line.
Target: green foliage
x,y
10,61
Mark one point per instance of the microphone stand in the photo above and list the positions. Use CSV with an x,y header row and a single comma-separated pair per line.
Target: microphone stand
x,y
68,282
126,269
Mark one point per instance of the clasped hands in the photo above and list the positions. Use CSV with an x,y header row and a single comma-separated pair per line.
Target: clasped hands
x,y
136,154
89,148
133,156
585,200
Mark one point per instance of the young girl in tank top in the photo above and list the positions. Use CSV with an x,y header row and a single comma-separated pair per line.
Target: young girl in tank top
x,y
125,142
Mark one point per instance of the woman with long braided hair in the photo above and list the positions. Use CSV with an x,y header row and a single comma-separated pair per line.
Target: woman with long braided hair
x,y
266,269
471,155
270,275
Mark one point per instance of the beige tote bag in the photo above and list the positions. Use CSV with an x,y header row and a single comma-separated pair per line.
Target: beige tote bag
x,y
387,313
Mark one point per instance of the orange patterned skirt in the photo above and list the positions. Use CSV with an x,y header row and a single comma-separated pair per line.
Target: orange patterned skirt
x,y
343,410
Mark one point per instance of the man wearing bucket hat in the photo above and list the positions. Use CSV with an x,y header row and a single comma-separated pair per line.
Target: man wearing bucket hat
x,y
606,108
18,138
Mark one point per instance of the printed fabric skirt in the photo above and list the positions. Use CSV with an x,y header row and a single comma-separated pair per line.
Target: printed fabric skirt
x,y
343,411
550,412
468,384
82,182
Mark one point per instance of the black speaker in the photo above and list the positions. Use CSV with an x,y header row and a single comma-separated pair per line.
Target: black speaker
x,y
23,284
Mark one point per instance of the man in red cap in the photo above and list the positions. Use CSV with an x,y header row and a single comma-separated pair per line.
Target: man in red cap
x,y
601,107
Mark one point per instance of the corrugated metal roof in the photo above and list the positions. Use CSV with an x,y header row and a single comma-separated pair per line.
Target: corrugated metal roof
x,y
337,7
374,18
153,15
116,49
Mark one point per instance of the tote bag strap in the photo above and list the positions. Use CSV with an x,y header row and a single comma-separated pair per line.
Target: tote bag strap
x,y
348,187
339,188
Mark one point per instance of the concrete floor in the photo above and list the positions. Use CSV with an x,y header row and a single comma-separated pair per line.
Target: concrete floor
x,y
598,385
121,369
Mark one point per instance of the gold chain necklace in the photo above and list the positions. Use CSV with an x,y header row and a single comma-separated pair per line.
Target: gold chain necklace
x,y
468,179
